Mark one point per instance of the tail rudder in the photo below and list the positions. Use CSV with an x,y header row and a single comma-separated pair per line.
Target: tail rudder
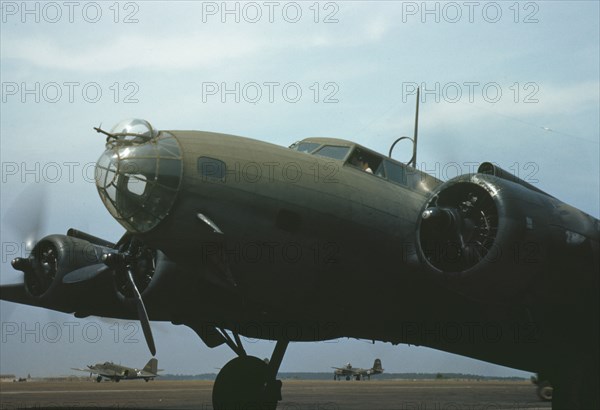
x,y
377,366
151,366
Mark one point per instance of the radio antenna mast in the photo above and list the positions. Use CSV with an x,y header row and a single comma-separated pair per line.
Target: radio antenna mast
x,y
414,157
413,160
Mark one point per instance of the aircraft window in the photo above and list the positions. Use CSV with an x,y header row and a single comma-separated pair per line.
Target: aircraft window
x,y
307,147
367,162
395,172
331,151
211,169
380,171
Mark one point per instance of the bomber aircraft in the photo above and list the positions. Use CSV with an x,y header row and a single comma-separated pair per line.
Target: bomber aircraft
x,y
116,372
232,236
356,372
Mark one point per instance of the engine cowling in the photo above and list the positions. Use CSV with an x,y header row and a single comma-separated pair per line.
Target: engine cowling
x,y
150,268
492,239
51,259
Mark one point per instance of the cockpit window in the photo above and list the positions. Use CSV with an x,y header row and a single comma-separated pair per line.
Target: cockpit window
x,y
332,151
307,147
395,172
367,162
139,174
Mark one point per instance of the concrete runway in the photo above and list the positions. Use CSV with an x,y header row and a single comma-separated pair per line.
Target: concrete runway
x,y
297,395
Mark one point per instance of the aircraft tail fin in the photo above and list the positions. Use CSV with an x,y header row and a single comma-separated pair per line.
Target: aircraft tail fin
x,y
151,366
377,366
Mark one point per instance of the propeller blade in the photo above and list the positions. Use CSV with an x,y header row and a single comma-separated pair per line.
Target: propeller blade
x,y
142,314
85,273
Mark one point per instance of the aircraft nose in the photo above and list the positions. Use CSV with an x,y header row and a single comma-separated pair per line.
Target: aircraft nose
x,y
139,175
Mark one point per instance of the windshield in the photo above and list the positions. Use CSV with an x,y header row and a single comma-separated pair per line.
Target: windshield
x,y
331,151
307,147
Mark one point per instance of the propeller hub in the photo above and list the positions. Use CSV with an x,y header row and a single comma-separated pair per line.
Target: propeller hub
x,y
113,260
22,264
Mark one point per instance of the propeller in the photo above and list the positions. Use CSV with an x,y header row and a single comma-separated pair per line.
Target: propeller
x,y
122,261
25,216
142,314
85,273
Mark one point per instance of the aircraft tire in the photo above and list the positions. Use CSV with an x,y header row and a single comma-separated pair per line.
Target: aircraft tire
x,y
243,384
544,391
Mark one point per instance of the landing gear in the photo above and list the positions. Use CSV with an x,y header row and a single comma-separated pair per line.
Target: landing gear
x,y
244,383
248,382
99,379
544,390
576,386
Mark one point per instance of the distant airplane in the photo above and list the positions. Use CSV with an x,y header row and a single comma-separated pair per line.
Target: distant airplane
x,y
348,371
116,372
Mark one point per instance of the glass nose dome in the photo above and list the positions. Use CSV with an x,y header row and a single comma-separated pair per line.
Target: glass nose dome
x,y
139,174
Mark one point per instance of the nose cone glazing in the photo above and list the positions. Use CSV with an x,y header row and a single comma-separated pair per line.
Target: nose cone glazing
x,y
139,175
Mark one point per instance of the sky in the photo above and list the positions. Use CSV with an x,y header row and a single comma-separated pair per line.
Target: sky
x,y
515,83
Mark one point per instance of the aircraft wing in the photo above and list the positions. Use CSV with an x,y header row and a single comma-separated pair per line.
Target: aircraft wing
x,y
18,294
15,292
344,371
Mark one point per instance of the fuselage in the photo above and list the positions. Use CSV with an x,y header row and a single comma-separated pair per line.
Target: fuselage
x,y
280,243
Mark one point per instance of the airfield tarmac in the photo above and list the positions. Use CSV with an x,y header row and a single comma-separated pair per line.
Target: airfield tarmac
x,y
297,395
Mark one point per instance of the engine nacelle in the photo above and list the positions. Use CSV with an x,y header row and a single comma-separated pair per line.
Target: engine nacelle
x,y
51,259
150,270
492,239
70,273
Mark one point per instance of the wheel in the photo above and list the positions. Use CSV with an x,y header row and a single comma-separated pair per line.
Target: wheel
x,y
544,391
99,379
243,384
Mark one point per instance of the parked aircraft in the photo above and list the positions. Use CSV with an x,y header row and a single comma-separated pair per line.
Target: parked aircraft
x,y
233,236
116,372
355,372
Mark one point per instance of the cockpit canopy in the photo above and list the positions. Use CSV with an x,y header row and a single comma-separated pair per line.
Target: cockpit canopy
x,y
139,174
364,159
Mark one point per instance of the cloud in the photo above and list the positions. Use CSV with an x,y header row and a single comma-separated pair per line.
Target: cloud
x,y
207,48
127,52
548,101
